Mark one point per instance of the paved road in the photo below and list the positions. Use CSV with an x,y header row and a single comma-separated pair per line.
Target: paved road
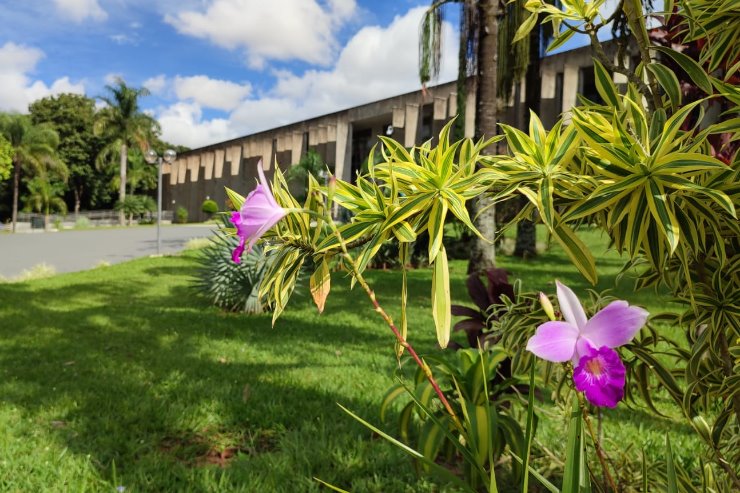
x,y
70,251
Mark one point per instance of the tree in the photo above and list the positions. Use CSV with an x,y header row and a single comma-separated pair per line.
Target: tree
x,y
310,164
72,116
45,191
6,158
486,53
34,150
123,125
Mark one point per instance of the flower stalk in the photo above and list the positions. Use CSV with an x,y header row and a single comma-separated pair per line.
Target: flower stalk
x,y
397,333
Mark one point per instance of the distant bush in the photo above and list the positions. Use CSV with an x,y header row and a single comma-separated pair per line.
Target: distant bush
x,y
82,222
209,206
181,215
135,206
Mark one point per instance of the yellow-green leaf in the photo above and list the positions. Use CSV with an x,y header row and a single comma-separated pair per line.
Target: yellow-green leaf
x,y
441,298
320,284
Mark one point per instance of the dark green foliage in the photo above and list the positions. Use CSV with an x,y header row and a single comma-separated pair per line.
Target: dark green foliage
x,y
72,116
226,284
136,206
181,215
209,206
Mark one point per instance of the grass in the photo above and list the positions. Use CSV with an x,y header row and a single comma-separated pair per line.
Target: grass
x,y
119,376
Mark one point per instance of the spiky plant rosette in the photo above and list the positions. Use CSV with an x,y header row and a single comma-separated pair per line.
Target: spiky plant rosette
x,y
226,284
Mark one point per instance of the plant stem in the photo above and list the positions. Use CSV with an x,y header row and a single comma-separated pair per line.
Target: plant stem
x,y
597,444
401,340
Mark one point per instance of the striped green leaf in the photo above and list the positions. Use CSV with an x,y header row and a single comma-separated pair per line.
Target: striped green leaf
x,y
436,226
691,67
576,250
605,85
441,305
668,81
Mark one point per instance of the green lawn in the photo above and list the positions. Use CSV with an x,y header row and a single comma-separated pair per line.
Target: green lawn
x,y
119,376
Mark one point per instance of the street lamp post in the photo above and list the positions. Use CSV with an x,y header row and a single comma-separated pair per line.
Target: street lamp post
x,y
151,158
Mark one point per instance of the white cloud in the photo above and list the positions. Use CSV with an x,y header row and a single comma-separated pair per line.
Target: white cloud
x,y
378,62
269,30
18,89
182,123
156,85
211,93
79,10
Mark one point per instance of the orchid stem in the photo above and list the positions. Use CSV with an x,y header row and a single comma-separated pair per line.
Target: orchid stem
x,y
401,340
597,444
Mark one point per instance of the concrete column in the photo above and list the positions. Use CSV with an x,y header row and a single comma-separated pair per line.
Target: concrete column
x,y
452,105
548,84
342,166
313,136
266,153
412,123
234,155
570,89
440,108
194,166
399,115
620,78
182,170
207,162
323,134
218,167
281,143
174,169
296,147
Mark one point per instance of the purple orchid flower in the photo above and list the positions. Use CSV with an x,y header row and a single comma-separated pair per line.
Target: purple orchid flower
x,y
258,214
589,344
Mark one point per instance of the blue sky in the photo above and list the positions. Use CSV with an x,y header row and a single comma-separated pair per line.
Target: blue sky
x,y
216,69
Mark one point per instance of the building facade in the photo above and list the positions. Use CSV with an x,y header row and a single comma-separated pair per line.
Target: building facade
x,y
344,138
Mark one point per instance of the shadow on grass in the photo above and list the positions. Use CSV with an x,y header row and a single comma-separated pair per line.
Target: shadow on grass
x,y
120,370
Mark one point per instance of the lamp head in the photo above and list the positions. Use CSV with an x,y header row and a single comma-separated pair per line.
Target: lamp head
x,y
169,156
151,156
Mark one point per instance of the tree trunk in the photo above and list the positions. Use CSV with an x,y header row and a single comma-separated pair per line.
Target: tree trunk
x,y
526,235
78,199
122,186
16,190
483,253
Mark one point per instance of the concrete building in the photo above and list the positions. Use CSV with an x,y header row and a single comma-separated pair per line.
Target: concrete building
x,y
344,138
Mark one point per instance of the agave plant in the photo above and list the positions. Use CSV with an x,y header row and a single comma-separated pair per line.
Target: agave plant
x,y
228,285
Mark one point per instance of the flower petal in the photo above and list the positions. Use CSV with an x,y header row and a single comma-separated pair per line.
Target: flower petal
x,y
554,341
615,324
266,185
600,376
570,306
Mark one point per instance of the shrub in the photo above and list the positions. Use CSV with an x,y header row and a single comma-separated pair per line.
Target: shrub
x,y
181,215
209,206
226,284
135,206
82,222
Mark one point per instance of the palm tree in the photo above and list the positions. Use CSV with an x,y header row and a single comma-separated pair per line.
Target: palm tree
x,y
123,125
45,193
34,150
490,56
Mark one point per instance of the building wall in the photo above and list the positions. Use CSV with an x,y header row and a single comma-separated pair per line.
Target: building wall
x,y
344,138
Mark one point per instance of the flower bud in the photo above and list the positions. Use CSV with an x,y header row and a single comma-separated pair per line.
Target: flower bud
x,y
547,306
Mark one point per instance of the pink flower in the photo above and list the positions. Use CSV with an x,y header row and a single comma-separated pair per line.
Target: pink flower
x,y
258,214
589,344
